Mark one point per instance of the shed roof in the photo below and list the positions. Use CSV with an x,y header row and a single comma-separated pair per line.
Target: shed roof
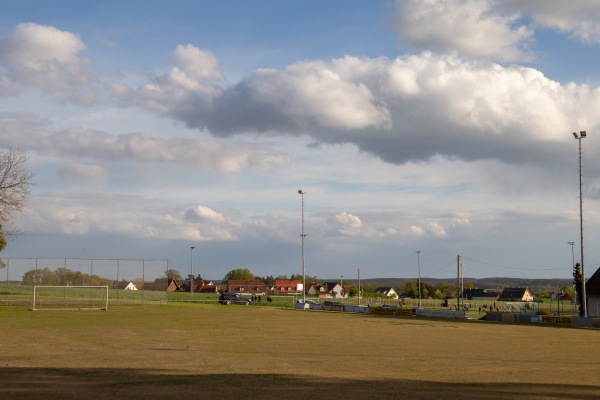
x,y
513,293
592,285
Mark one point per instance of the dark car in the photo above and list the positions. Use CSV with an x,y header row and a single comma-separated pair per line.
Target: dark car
x,y
233,298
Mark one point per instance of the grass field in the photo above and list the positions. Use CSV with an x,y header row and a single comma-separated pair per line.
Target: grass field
x,y
229,352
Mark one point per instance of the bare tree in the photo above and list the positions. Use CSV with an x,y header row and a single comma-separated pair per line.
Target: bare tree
x,y
15,182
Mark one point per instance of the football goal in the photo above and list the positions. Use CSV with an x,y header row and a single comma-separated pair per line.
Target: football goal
x,y
70,298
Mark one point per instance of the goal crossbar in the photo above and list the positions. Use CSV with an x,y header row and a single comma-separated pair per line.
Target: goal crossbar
x,y
69,298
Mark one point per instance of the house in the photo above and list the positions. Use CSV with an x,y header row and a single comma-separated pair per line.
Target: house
x,y
206,287
161,285
286,286
124,285
387,292
516,294
481,294
200,286
592,293
327,289
247,286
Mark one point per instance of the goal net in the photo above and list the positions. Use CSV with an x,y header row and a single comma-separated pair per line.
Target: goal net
x,y
70,298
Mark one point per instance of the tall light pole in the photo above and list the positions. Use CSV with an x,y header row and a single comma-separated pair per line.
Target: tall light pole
x,y
574,301
192,270
582,135
572,252
359,286
302,235
462,287
419,268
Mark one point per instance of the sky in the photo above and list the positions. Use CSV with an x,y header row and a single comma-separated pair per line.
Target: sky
x,y
443,127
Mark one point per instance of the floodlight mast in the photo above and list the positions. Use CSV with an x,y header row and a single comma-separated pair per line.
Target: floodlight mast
x,y
419,269
191,271
582,135
303,235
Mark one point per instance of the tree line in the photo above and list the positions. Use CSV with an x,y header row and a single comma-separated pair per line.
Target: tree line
x,y
63,277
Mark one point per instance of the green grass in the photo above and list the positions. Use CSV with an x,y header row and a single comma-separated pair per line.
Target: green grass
x,y
207,351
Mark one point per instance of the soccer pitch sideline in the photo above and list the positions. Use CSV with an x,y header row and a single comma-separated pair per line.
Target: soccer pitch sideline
x,y
269,353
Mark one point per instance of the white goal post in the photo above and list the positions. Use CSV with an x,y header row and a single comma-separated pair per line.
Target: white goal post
x,y
70,298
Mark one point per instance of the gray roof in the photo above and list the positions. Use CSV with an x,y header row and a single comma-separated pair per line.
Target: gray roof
x,y
592,285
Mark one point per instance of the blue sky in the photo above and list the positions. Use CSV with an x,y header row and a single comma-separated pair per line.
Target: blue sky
x,y
439,126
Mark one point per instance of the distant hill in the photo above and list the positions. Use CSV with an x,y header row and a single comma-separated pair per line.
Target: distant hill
x,y
534,285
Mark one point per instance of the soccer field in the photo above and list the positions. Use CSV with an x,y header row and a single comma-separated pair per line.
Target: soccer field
x,y
231,352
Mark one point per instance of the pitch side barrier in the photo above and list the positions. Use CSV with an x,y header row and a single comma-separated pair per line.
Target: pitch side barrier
x,y
575,321
332,307
447,314
379,310
405,312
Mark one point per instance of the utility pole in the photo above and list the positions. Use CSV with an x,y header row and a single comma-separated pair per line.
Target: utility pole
x,y
457,282
359,286
303,235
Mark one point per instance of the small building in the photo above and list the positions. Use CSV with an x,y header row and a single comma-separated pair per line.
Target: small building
x,y
124,285
387,292
286,286
481,294
247,286
592,292
327,290
206,287
516,294
161,285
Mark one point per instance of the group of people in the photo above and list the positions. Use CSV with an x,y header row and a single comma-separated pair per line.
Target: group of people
x,y
485,307
259,298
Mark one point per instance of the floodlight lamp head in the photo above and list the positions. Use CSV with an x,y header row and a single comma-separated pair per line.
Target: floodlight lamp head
x,y
583,134
575,135
300,191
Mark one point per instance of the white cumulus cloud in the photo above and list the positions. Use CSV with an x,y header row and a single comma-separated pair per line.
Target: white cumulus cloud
x,y
49,59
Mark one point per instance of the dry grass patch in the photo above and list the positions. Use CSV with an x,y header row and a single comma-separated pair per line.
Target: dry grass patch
x,y
228,351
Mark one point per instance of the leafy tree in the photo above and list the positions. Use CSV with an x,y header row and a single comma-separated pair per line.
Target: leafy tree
x,y
62,276
2,246
428,290
542,295
368,288
411,289
173,274
353,291
238,274
37,277
298,277
568,289
578,282
2,241
15,182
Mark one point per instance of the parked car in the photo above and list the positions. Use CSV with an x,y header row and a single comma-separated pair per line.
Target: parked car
x,y
311,302
233,298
